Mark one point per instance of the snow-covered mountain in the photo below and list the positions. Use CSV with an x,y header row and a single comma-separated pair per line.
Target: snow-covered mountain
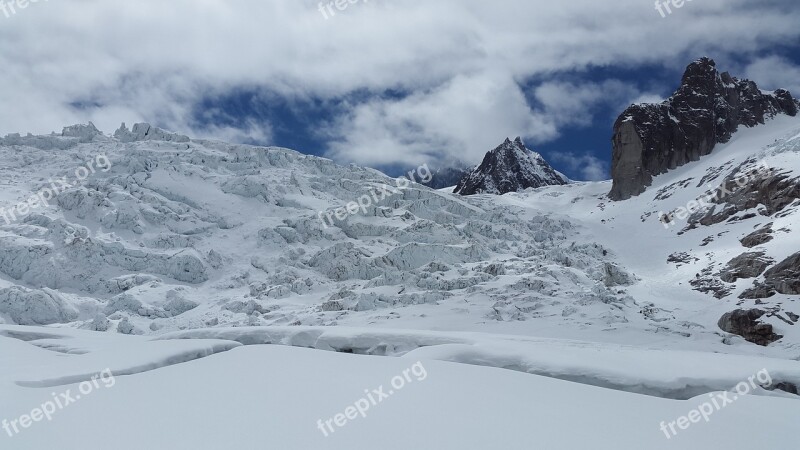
x,y
510,167
173,260
707,109
180,233
185,234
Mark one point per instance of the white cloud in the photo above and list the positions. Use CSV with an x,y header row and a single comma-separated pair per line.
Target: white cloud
x,y
460,60
571,103
460,120
774,72
466,117
589,167
250,131
648,98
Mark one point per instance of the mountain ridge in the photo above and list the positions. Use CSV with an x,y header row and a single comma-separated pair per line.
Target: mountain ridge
x,y
510,167
204,234
707,109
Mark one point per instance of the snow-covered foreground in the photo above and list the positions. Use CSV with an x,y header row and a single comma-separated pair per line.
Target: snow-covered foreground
x,y
268,396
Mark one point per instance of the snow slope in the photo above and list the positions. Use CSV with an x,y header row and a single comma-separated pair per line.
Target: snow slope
x,y
256,396
195,234
182,265
632,229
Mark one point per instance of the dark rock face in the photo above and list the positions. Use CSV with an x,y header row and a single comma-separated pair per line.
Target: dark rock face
x,y
511,167
783,386
707,283
773,192
650,139
758,237
745,323
758,291
746,265
785,277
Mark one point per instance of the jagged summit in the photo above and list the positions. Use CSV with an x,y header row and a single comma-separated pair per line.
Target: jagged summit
x,y
511,167
707,109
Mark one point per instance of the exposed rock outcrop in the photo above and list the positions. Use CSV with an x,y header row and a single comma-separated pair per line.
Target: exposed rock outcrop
x,y
768,191
783,278
784,386
745,323
650,139
758,291
746,265
511,167
758,237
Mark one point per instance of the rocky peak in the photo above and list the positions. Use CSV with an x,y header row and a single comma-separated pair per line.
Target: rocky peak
x,y
707,109
511,167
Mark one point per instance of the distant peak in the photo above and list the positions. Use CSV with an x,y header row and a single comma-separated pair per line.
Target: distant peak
x,y
510,167
517,141
702,69
706,61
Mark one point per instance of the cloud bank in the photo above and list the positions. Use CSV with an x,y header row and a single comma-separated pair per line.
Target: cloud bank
x,y
464,73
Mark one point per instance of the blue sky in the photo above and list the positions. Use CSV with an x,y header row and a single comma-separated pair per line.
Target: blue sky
x,y
295,124
594,140
386,83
